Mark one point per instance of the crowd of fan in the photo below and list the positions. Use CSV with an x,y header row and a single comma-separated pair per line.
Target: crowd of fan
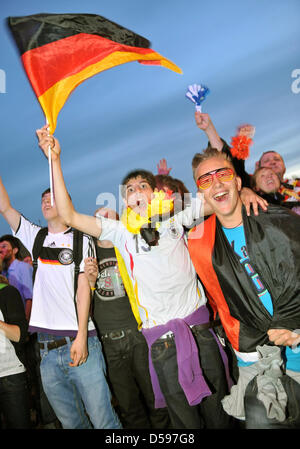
x,y
28,406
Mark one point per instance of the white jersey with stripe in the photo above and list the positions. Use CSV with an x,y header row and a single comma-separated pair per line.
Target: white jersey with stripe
x,y
53,291
163,276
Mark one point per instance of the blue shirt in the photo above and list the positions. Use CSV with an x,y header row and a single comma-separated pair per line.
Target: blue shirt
x,y
236,238
19,275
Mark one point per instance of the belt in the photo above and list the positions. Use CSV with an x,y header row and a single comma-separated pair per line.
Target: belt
x,y
209,325
115,335
54,344
195,329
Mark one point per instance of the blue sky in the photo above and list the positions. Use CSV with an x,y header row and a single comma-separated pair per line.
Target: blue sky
x,y
131,116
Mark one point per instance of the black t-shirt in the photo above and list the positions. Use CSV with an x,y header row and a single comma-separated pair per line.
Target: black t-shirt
x,y
12,308
111,306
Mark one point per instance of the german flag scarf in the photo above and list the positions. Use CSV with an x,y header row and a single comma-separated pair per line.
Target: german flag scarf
x,y
60,51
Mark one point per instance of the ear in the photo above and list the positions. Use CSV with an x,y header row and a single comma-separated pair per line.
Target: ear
x,y
256,165
238,183
15,250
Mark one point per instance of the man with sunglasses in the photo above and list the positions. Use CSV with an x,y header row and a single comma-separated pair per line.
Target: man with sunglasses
x,y
250,268
171,302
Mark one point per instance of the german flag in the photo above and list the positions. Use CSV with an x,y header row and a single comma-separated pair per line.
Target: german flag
x,y
60,51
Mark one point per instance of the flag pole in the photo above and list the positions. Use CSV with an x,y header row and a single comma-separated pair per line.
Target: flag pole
x,y
50,170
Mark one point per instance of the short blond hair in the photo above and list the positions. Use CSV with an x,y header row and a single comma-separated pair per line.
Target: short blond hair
x,y
208,153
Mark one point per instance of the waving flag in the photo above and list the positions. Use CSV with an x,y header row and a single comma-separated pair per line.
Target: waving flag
x,y
60,51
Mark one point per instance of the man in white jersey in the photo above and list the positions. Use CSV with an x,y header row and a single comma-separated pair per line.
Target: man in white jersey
x,y
72,364
171,301
249,266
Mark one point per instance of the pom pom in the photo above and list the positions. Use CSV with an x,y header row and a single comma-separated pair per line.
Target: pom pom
x,y
240,146
161,203
197,94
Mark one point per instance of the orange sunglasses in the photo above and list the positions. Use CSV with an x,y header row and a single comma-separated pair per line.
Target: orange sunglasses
x,y
223,174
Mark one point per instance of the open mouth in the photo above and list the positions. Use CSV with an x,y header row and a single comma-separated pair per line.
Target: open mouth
x,y
221,196
140,203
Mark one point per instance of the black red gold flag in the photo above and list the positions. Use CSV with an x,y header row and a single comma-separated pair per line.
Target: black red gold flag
x,y
60,51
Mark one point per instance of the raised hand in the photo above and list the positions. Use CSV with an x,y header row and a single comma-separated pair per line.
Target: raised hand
x,y
203,121
162,167
45,140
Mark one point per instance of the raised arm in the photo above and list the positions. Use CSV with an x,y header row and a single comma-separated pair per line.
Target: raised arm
x,y
203,121
85,223
11,215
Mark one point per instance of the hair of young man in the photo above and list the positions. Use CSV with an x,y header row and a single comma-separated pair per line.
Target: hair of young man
x,y
14,242
144,174
181,186
208,153
49,191
166,181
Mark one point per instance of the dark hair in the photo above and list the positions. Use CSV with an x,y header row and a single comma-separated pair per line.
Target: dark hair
x,y
145,174
181,186
166,181
15,243
46,191
49,191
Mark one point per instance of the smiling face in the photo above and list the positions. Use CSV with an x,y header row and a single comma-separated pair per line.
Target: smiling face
x,y
267,181
138,195
274,161
222,196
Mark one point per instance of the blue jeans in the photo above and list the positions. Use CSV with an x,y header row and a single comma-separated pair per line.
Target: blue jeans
x,y
79,395
14,401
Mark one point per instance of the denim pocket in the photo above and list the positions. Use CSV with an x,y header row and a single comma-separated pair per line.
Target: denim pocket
x,y
160,350
204,335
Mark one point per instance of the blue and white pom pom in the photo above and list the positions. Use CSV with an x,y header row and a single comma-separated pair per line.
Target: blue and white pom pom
x,y
197,94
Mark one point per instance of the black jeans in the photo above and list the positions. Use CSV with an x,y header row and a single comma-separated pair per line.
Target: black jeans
x,y
128,374
209,413
14,401
256,415
45,413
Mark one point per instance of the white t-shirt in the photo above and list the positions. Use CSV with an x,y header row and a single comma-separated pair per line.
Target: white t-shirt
x,y
53,291
163,276
9,361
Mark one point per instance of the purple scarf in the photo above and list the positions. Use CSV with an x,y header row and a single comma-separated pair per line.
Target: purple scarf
x,y
190,374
